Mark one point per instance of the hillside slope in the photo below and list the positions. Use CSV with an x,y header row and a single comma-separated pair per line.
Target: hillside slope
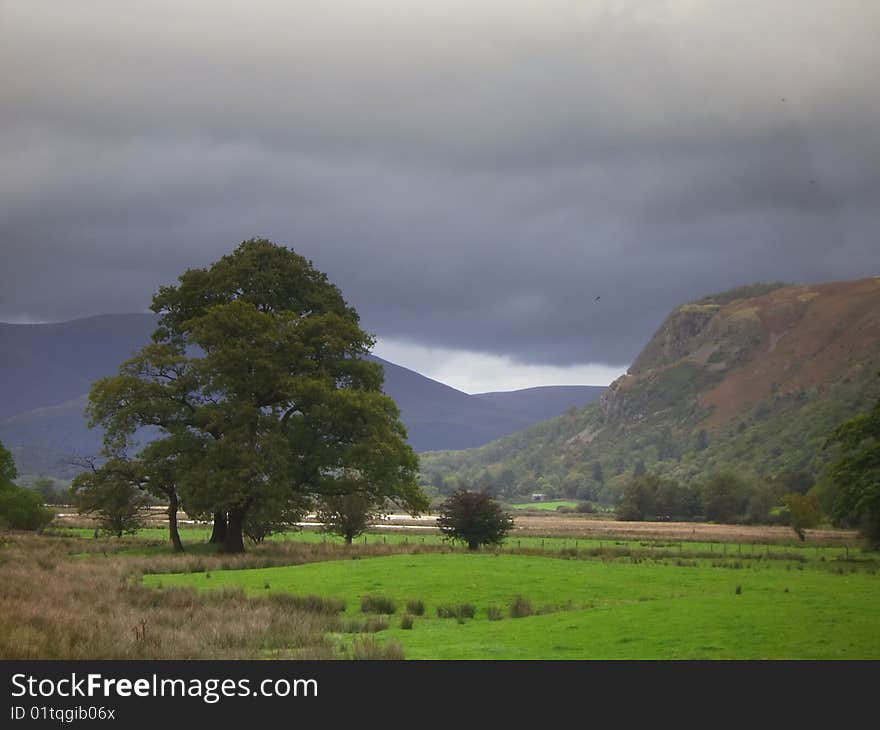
x,y
541,403
751,380
48,364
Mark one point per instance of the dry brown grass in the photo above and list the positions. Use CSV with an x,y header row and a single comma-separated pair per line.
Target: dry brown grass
x,y
55,606
588,527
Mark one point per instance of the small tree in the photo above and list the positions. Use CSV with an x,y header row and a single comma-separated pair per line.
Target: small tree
x,y
51,491
474,518
8,472
20,508
112,493
804,510
349,515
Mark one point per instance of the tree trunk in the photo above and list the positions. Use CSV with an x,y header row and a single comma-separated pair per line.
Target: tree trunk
x,y
473,545
173,532
218,534
348,539
234,542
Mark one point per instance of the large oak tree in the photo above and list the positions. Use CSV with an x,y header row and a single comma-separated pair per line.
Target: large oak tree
x,y
256,385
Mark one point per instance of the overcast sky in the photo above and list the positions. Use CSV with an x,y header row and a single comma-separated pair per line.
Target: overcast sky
x,y
473,175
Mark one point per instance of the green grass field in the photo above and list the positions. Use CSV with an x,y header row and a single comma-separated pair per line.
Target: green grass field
x,y
598,609
544,506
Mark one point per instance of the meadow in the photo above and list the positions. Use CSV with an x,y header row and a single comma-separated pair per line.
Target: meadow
x,y
550,506
68,594
613,608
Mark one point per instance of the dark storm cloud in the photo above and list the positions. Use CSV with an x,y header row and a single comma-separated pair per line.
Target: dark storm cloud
x,y
472,175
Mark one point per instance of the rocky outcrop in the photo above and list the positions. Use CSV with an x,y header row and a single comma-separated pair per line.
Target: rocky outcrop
x,y
729,353
677,338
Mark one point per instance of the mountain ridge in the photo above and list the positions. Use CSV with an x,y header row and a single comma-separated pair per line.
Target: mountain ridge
x,y
752,383
46,371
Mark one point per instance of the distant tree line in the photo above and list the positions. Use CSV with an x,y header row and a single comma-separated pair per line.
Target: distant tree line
x,y
720,497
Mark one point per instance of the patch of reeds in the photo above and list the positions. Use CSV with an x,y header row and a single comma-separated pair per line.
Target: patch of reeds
x,y
459,611
378,604
54,606
520,607
415,607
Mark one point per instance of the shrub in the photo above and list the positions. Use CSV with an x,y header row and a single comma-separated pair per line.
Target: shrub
x,y
406,621
494,613
415,607
111,493
474,518
804,512
378,604
521,607
22,509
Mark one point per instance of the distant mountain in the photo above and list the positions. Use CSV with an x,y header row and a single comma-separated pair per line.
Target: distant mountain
x,y
750,380
48,364
47,370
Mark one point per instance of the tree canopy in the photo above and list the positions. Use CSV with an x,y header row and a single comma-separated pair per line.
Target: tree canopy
x,y
255,382
651,497
855,474
474,518
349,515
20,508
8,472
112,493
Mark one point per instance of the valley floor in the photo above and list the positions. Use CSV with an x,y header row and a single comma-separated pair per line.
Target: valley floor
x,y
613,591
